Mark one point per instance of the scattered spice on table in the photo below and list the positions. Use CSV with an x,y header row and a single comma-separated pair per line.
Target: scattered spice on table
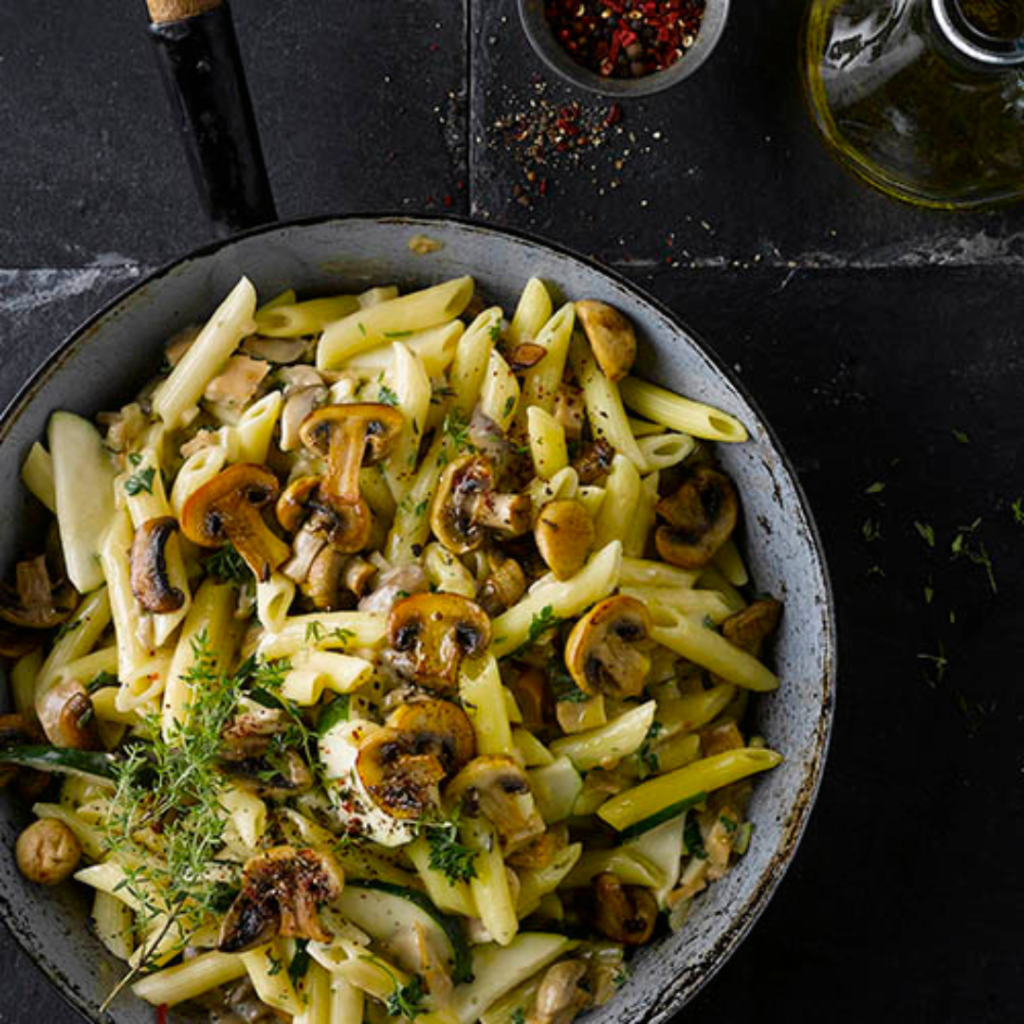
x,y
625,38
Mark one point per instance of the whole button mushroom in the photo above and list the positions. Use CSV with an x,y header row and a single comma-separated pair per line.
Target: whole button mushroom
x,y
47,852
349,437
467,504
564,534
281,892
701,516
611,337
150,583
606,650
430,634
226,510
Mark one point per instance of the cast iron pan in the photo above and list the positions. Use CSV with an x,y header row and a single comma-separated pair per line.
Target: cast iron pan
x,y
104,362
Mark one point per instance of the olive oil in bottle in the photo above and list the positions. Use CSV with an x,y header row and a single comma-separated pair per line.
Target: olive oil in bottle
x,y
924,99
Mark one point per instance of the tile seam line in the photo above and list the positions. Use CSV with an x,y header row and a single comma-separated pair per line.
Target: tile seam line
x,y
468,148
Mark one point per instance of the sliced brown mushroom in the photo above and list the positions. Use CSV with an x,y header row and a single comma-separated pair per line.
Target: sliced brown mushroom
x,y
533,697
564,533
430,634
700,515
503,586
570,410
625,913
289,776
402,765
607,649
753,625
358,574
323,584
282,890
611,337
350,437
39,606
47,852
594,462
496,787
560,996
150,583
66,715
226,510
249,733
236,385
304,507
526,355
466,505
540,852
300,400
392,586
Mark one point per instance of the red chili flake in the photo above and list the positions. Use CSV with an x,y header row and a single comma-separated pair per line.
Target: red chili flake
x,y
625,38
614,115
161,1014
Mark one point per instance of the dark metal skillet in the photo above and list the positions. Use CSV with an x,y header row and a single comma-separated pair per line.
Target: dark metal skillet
x,y
102,364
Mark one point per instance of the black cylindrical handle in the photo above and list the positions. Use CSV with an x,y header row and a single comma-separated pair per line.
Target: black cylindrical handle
x,y
202,70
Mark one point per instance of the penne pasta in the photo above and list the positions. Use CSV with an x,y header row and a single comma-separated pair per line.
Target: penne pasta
x,y
547,443
37,475
682,414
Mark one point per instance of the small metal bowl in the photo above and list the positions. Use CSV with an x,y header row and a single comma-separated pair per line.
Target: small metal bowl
x,y
550,51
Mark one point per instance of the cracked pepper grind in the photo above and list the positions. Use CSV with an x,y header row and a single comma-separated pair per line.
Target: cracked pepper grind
x,y
625,38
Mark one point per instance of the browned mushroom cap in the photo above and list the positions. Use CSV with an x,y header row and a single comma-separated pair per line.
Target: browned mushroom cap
x,y
66,715
625,913
466,505
605,651
533,697
436,727
561,994
303,506
523,356
150,583
402,765
430,634
611,337
399,782
564,533
497,787
752,626
281,892
594,462
18,730
289,776
47,852
249,733
504,585
39,607
701,516
226,510
350,437
570,410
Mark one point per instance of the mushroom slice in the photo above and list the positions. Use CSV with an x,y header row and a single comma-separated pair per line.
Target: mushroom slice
x,y
299,404
350,437
294,506
625,913
503,587
289,777
281,892
466,505
303,504
357,575
39,607
560,996
430,634
248,734
605,650
526,355
65,713
150,583
533,697
497,787
226,509
323,582
594,463
401,783
611,337
564,533
438,728
701,516
753,625
570,410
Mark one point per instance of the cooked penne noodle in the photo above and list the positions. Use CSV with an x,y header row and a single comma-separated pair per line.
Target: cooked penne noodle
x,y
662,451
323,631
702,604
435,348
273,985
682,414
642,572
711,578
37,475
472,357
199,468
175,401
483,699
190,978
622,496
114,925
638,528
299,318
541,381
532,312
729,563
273,599
446,573
411,387
499,393
367,328
313,672
251,435
78,637
490,887
547,443
604,404
563,484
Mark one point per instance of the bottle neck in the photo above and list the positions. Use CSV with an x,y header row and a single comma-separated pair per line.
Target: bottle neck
x,y
988,35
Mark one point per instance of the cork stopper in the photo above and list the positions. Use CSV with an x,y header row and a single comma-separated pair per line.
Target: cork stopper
x,y
161,11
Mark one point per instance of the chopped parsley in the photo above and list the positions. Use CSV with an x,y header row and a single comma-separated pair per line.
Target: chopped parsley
x,y
276,963
135,458
226,565
961,437
386,395
693,840
300,962
926,532
1017,508
362,329
397,334
452,858
646,757
876,488
563,686
100,680
510,404
518,1016
496,332
871,530
456,427
544,620
140,481
68,627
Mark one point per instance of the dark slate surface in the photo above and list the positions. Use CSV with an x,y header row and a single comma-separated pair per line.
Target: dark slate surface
x,y
868,332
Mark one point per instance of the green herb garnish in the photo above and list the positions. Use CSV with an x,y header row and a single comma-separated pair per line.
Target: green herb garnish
x,y
226,565
140,481
926,532
448,855
961,437
386,395
693,840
